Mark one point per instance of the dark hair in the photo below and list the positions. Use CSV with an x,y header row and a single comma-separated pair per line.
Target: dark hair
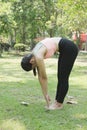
x,y
26,65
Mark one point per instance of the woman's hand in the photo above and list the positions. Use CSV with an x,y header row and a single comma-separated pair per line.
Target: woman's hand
x,y
47,100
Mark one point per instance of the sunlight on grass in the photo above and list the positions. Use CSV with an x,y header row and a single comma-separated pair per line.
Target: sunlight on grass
x,y
81,116
12,125
9,78
81,81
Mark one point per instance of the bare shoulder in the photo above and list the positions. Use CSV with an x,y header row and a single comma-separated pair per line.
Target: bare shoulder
x,y
41,53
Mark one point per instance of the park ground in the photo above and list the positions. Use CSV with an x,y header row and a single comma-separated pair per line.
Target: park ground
x,y
17,86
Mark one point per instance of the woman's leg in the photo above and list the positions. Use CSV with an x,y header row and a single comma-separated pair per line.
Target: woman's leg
x,y
65,64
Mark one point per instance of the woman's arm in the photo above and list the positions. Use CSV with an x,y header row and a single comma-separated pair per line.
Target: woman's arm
x,y
43,78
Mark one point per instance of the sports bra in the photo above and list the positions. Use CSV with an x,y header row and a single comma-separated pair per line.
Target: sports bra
x,y
49,44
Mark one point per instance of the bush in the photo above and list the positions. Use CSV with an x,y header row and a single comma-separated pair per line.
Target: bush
x,y
20,47
4,45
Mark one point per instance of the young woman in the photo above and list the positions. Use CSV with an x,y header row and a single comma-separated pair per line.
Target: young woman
x,y
45,49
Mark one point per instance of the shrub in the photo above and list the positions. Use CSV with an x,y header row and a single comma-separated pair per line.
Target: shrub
x,y
20,47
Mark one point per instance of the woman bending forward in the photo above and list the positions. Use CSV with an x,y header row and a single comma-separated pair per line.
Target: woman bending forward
x,y
45,49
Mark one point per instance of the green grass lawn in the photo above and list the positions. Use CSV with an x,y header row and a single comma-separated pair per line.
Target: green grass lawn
x,y
17,86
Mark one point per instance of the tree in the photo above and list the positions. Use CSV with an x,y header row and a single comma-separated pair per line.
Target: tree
x,y
25,20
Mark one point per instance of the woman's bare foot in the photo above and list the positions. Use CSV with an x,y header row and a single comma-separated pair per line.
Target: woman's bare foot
x,y
55,105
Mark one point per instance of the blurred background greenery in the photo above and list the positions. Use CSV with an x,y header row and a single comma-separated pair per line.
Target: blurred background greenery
x,y
25,22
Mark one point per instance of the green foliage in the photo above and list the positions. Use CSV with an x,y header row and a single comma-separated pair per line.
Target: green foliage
x,y
6,20
20,47
25,20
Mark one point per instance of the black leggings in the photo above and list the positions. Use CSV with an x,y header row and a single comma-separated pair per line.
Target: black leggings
x,y
68,53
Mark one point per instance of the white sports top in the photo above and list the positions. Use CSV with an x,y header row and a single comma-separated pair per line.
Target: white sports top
x,y
50,43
